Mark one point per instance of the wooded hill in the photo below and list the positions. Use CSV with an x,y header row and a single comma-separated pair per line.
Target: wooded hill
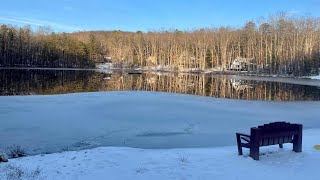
x,y
279,45
22,47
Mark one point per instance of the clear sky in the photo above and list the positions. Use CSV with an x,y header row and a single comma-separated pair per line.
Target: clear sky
x,y
145,15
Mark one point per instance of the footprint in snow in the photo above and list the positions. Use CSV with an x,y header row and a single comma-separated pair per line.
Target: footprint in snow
x,y
141,170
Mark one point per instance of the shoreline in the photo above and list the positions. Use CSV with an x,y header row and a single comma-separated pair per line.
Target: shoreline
x,y
309,81
206,71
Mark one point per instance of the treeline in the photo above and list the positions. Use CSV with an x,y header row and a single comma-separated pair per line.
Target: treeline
x,y
22,47
278,45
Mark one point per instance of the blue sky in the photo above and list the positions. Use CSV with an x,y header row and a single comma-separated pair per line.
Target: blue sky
x,y
145,15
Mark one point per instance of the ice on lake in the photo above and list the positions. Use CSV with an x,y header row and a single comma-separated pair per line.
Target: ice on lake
x,y
53,123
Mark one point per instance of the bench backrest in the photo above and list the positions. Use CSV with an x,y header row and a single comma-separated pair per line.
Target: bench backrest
x,y
275,133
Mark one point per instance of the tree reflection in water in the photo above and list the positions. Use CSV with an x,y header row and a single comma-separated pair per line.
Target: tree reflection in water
x,y
40,82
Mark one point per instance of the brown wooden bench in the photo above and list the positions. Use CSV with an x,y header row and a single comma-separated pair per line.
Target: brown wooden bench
x,y
270,134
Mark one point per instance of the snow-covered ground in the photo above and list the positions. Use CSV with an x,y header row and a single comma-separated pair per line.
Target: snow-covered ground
x,y
308,81
104,66
203,163
315,77
46,124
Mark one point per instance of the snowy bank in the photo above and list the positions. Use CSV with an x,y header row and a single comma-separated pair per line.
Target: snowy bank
x,y
315,77
46,124
203,163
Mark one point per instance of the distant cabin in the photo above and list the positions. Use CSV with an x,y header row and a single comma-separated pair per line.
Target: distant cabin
x,y
243,64
104,60
107,59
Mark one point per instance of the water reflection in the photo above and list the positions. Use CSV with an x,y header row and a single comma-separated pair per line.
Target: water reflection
x,y
37,81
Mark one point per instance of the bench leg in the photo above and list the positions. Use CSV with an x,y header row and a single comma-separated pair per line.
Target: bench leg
x,y
297,146
239,144
280,145
254,153
297,140
297,143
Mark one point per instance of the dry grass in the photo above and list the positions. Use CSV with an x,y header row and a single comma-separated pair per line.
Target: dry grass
x,y
16,151
19,173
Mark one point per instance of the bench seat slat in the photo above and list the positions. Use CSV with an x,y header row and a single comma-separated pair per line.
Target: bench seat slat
x,y
246,145
271,141
279,134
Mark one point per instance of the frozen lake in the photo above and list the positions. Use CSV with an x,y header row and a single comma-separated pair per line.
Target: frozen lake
x,y
54,123
151,110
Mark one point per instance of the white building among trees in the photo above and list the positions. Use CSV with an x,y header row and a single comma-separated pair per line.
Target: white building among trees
x,y
243,64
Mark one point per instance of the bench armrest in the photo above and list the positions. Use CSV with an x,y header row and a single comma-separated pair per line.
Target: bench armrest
x,y
242,134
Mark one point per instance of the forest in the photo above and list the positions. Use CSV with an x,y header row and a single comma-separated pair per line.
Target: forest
x,y
280,44
22,47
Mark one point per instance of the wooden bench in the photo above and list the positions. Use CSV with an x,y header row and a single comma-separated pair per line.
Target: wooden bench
x,y
270,134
